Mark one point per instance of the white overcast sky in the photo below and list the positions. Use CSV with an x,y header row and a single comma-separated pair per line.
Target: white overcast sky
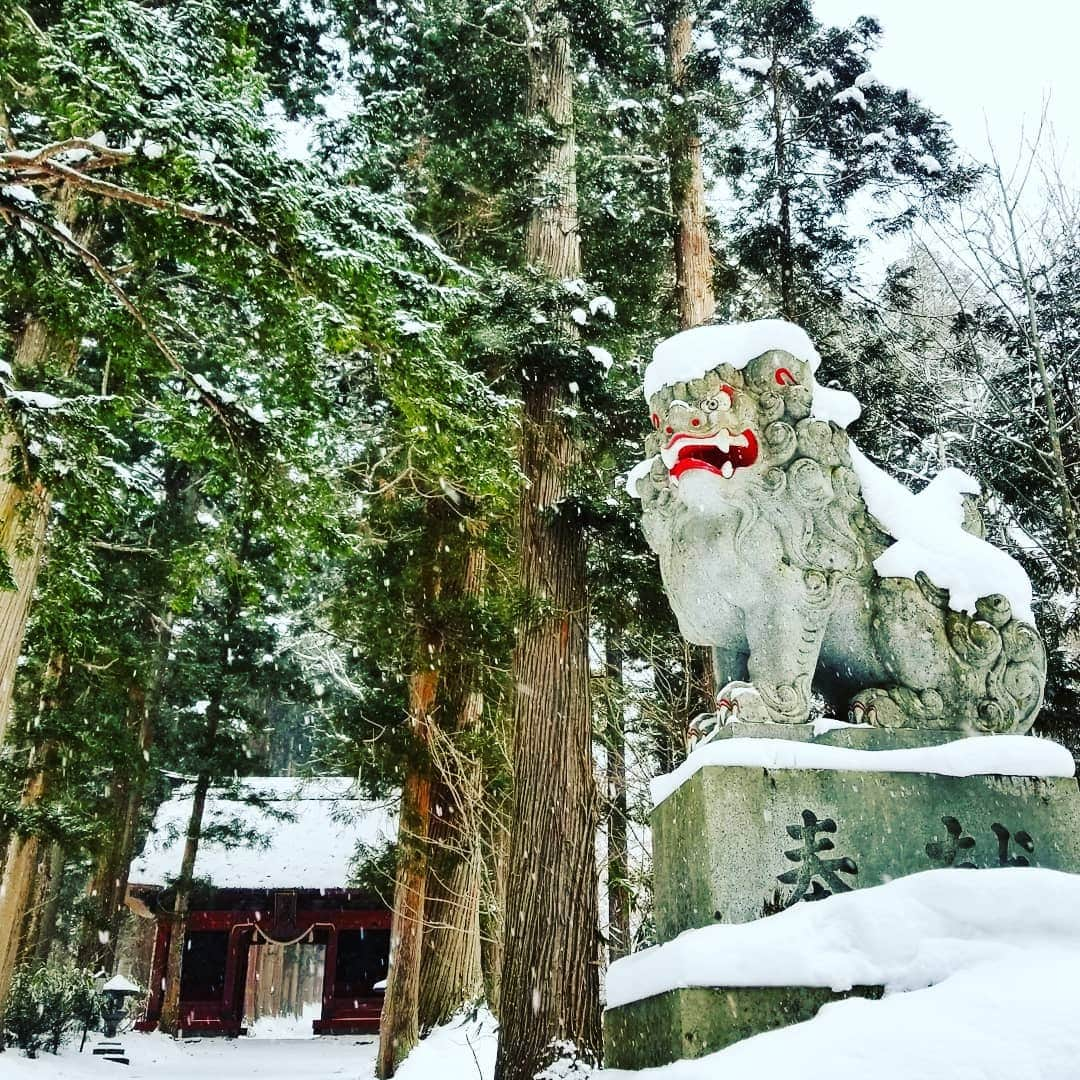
x,y
980,63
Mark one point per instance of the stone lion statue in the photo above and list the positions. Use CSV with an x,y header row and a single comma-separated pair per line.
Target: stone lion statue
x,y
754,501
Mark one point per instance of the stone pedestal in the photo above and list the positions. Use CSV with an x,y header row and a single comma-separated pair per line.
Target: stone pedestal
x,y
736,843
693,1022
733,844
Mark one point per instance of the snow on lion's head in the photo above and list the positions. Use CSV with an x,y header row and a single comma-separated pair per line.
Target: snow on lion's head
x,y
740,421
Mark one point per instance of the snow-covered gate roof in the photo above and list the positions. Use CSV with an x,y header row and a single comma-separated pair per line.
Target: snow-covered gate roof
x,y
295,834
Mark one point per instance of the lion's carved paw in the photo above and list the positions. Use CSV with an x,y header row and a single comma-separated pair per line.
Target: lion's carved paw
x,y
742,701
878,708
703,728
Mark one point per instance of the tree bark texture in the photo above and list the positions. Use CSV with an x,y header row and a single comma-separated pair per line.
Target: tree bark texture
x,y
399,1025
171,1021
694,293
24,502
693,256
39,922
550,983
24,516
450,971
45,931
17,887
618,863
494,874
23,850
108,882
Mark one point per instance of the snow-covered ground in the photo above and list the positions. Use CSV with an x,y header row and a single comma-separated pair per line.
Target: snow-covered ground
x,y
462,1050
157,1057
978,965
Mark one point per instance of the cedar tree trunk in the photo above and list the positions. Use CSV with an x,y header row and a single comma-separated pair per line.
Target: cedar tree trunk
x,y
108,883
494,873
693,256
450,972
171,1022
399,1025
550,983
618,889
694,293
24,516
24,502
50,904
17,882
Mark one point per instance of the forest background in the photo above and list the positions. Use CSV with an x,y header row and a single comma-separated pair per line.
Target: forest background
x,y
322,334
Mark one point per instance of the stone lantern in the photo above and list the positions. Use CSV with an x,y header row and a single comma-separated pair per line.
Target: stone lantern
x,y
114,1006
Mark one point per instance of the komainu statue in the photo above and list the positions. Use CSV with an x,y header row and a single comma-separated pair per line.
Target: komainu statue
x,y
806,567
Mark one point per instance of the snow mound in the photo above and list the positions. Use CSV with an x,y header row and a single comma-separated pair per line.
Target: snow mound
x,y
929,534
463,1049
977,966
876,936
982,755
692,353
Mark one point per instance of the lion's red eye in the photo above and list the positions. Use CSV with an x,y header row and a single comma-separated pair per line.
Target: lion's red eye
x,y
784,377
670,430
695,422
655,420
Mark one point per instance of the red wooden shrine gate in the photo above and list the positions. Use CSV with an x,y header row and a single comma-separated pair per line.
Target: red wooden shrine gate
x,y
219,946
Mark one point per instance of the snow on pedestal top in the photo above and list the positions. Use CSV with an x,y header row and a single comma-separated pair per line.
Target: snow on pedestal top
x,y
306,835
983,755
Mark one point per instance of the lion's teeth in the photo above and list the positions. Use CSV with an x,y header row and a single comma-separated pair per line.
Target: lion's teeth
x,y
727,470
739,440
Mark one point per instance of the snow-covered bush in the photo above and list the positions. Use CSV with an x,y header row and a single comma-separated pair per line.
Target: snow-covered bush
x,y
44,1003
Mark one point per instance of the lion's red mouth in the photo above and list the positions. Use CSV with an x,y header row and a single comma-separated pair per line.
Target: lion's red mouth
x,y
721,454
